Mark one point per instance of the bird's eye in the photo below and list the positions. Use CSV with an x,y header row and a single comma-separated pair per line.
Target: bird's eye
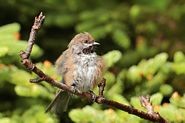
x,y
86,41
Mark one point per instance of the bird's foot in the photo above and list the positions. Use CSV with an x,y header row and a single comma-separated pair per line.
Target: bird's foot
x,y
93,96
74,89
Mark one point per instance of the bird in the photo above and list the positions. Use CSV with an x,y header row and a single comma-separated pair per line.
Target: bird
x,y
80,67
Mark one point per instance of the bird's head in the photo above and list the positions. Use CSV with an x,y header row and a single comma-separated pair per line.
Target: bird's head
x,y
83,43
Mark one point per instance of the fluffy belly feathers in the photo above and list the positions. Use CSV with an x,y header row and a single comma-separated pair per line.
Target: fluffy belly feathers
x,y
86,73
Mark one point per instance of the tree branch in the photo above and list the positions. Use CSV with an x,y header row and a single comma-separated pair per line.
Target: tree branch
x,y
90,96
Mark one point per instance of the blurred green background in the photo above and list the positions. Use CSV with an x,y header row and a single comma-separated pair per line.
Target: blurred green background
x,y
142,42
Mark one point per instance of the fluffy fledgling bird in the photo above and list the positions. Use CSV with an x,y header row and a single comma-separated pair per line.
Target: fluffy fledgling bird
x,y
80,68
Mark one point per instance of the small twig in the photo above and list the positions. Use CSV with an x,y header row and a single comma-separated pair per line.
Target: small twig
x,y
98,99
145,102
36,26
101,87
36,80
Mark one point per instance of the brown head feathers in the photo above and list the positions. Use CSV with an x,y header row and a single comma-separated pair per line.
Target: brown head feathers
x,y
81,38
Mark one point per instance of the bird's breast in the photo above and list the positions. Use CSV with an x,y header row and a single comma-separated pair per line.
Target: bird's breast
x,y
85,73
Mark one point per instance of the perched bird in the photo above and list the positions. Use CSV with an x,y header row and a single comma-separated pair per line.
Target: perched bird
x,y
80,68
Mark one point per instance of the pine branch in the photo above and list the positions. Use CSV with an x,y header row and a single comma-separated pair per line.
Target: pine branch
x,y
100,99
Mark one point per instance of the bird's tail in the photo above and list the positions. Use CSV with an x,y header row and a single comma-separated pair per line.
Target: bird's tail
x,y
60,103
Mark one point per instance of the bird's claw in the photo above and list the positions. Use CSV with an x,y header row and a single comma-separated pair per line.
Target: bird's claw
x,y
74,89
93,96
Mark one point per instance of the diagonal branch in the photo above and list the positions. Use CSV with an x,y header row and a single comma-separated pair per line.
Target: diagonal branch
x,y
90,96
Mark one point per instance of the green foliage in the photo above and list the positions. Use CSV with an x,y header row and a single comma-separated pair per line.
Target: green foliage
x,y
166,89
12,75
111,58
10,44
156,99
143,46
108,116
121,39
35,114
3,51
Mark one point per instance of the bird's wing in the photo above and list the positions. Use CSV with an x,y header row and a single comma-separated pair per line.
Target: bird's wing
x,y
60,64
100,70
65,67
101,64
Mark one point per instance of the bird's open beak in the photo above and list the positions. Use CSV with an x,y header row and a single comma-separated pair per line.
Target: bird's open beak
x,y
96,43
